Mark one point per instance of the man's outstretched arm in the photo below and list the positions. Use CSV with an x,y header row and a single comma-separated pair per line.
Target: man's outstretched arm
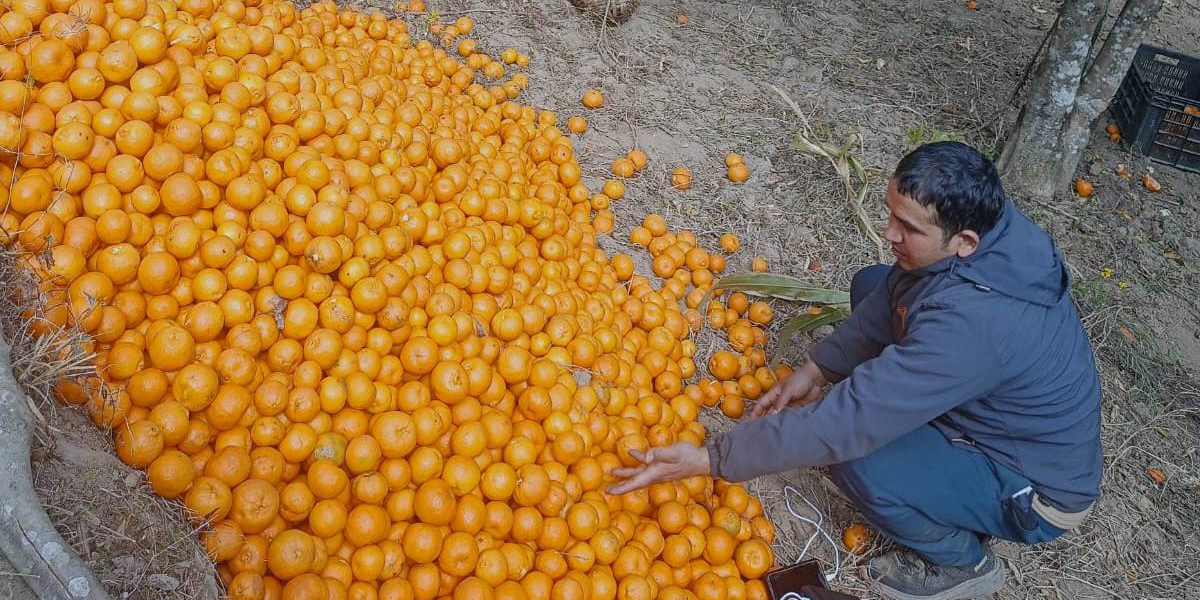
x,y
944,361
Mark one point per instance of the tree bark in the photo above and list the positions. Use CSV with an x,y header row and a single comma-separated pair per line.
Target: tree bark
x,y
1032,154
1100,82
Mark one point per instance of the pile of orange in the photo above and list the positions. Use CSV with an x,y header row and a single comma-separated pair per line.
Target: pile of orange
x,y
689,272
348,306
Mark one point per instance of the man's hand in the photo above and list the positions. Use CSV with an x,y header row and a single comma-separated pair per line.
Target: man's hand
x,y
800,388
668,463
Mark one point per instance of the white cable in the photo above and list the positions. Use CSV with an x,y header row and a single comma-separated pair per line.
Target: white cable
x,y
819,531
793,596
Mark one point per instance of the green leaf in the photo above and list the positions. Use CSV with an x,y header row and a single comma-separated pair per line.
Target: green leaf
x,y
785,287
828,315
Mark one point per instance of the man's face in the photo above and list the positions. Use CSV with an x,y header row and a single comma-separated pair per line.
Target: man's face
x,y
917,240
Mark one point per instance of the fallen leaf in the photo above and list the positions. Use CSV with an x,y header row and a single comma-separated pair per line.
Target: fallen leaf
x,y
1150,183
681,19
1127,333
1173,255
1157,475
971,5
814,265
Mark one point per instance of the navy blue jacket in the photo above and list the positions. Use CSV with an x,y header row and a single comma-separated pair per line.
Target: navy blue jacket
x,y
988,348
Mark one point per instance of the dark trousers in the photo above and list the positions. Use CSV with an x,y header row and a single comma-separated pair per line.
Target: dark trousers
x,y
940,497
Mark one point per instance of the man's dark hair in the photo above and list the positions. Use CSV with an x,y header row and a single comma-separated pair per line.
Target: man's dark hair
x,y
963,186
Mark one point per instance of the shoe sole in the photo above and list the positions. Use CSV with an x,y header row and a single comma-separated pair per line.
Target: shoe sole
x,y
983,585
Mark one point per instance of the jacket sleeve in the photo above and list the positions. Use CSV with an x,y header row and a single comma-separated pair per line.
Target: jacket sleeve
x,y
944,361
860,338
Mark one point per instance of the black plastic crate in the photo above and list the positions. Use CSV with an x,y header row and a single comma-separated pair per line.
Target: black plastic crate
x,y
1157,107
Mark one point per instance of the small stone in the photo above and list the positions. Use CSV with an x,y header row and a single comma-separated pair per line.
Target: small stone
x,y
162,582
789,64
822,332
131,480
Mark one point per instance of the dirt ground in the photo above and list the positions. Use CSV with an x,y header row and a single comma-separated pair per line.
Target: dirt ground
x,y
689,82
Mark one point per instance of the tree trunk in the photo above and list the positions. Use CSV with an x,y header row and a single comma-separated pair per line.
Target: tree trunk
x,y
1032,154
1101,81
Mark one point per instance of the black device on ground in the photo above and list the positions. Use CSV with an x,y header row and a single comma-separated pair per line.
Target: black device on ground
x,y
801,581
1157,107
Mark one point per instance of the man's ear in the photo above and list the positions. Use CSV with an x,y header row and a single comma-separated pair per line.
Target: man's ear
x,y
966,242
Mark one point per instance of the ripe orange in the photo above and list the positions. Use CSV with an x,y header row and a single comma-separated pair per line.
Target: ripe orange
x,y
738,173
730,243
723,365
856,538
681,178
1083,188
290,554
140,443
593,99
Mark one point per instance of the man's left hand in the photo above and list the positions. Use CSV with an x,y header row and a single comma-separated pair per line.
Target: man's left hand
x,y
668,463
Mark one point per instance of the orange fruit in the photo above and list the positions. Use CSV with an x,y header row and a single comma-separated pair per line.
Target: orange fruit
x,y
730,243
681,178
170,474
434,502
140,443
738,173
1083,188
856,538
753,558
638,158
723,365
290,554
593,99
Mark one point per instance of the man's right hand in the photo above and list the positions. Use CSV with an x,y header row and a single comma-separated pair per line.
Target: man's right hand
x,y
798,389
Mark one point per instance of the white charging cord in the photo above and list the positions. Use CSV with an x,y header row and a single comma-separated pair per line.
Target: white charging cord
x,y
793,596
820,531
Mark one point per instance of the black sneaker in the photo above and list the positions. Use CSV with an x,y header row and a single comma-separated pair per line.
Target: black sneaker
x,y
905,576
